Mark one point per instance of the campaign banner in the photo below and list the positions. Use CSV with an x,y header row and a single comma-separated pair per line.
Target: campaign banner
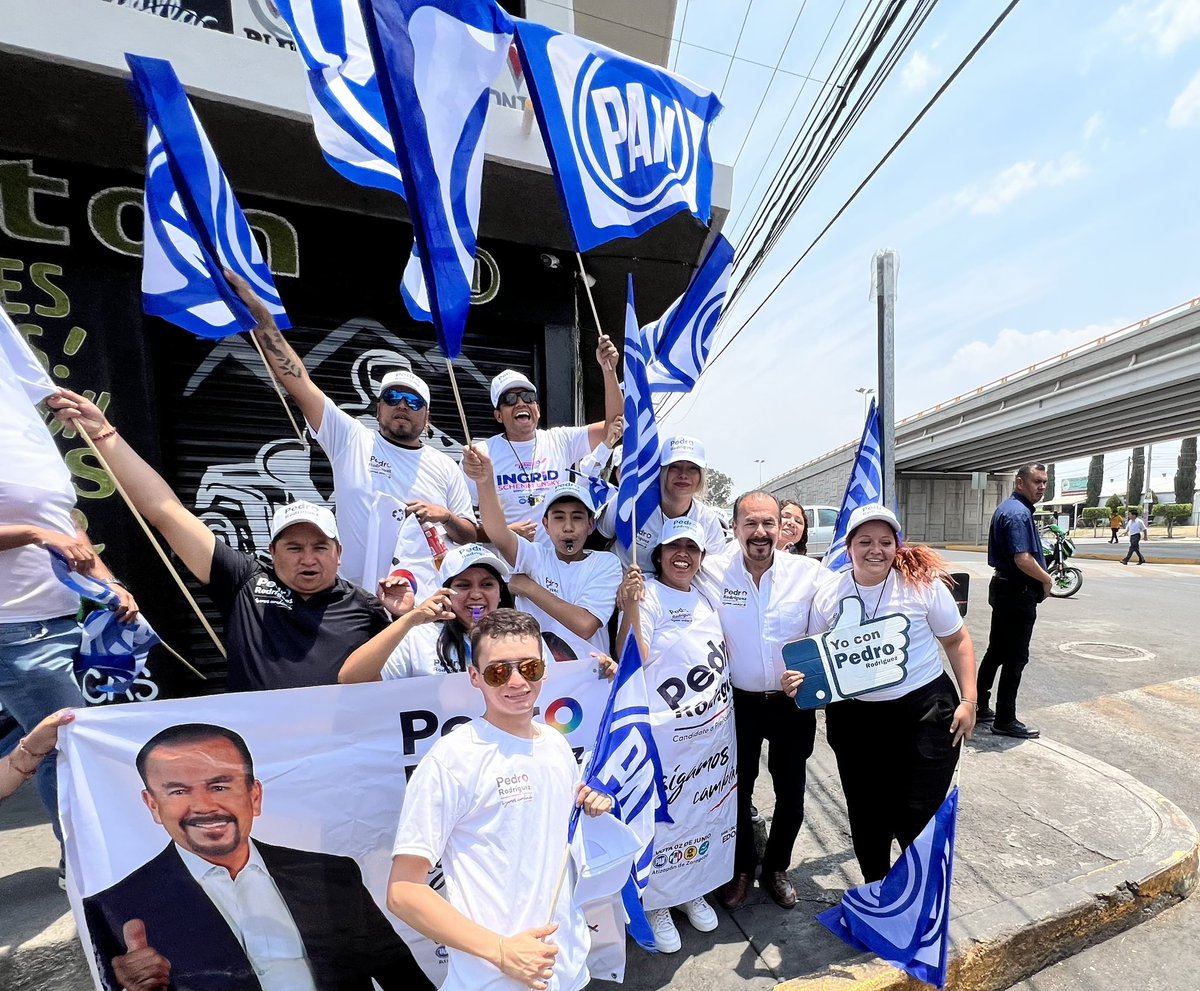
x,y
331,764
858,655
691,713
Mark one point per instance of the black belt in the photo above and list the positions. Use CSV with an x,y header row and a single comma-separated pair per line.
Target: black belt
x,y
756,695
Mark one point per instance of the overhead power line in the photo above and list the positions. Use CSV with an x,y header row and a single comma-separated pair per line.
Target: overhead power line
x,y
668,407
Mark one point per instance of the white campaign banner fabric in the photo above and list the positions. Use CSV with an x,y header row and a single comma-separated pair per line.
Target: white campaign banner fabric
x,y
333,762
691,712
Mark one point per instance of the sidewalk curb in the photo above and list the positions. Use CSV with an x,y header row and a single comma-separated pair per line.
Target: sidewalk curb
x,y
1079,555
997,946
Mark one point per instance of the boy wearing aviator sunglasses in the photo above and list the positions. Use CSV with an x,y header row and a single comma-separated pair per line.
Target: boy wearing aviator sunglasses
x,y
490,800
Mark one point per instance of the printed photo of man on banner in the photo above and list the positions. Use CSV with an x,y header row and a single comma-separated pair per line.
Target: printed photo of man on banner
x,y
173,810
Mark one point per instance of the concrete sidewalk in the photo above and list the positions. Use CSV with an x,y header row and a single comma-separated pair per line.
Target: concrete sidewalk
x,y
1055,851
1176,550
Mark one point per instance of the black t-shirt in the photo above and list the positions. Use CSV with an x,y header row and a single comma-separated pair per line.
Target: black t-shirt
x,y
276,638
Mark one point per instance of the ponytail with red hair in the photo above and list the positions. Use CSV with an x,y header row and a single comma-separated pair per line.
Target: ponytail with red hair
x,y
921,566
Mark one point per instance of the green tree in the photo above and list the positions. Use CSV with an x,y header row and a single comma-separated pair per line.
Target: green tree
x,y
1172,513
1185,471
1093,516
718,488
1137,477
1095,480
1114,504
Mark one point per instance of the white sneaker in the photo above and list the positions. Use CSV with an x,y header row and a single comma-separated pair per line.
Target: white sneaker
x,y
666,936
700,914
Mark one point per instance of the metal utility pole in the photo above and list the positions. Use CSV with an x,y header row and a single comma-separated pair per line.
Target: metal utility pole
x,y
883,287
760,462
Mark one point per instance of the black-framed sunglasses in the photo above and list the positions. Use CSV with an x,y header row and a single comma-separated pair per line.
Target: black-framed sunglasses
x,y
394,397
521,396
531,669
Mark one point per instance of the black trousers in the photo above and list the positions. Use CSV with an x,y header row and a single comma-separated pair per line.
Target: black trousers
x,y
1113,539
1135,547
790,734
1014,611
896,760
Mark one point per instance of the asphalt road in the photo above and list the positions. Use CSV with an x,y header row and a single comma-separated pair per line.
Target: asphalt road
x,y
1138,710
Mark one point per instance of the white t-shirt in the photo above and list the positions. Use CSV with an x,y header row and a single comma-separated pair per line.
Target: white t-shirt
x,y
931,613
1135,525
650,530
527,470
29,592
417,655
590,583
364,464
494,808
759,619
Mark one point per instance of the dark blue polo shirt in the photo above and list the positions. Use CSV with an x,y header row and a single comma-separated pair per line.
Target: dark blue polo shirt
x,y
1013,532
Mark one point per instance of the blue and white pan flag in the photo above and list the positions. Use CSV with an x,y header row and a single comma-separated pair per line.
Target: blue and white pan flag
x,y
627,141
638,494
194,227
625,765
678,344
905,918
435,62
343,95
111,648
865,488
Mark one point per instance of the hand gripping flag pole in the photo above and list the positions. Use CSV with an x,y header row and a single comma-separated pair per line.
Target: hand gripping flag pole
x,y
157,546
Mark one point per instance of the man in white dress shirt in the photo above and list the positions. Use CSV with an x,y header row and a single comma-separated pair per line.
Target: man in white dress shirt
x,y
765,596
217,911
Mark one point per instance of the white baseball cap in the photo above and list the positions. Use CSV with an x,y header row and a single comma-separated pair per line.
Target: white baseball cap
x,y
865,514
570,490
459,559
506,380
681,448
304,512
681,528
404,379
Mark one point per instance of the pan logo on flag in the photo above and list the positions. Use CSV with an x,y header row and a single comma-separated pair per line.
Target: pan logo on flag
x,y
636,142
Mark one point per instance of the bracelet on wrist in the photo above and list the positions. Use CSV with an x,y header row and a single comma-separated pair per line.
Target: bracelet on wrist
x,y
104,434
20,770
970,702
36,756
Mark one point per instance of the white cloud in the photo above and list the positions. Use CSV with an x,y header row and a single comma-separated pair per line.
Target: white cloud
x,y
1168,24
1185,111
992,197
917,73
1093,126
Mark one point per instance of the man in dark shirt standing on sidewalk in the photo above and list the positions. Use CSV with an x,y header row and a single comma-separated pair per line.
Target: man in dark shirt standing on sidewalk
x,y
1018,585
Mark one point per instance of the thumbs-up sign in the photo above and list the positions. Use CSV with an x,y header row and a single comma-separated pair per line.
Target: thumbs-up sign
x,y
856,656
141,967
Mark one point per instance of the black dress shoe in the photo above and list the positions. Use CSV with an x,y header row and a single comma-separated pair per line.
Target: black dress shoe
x,y
779,887
985,715
1015,728
733,894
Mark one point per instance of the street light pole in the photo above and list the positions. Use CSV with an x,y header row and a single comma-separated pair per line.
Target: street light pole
x,y
866,394
760,462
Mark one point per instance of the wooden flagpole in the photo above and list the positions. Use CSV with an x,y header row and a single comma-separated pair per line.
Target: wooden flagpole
x,y
462,413
278,390
157,546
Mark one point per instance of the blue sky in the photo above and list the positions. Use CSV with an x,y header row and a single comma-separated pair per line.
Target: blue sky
x,y
1048,197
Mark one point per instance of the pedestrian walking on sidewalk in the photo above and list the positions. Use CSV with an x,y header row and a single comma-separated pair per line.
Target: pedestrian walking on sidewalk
x,y
1136,528
1114,523
1019,584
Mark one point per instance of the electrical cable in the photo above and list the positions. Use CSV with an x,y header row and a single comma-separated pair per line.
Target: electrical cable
x,y
668,408
736,45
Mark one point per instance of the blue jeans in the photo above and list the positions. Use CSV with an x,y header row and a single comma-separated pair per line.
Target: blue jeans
x,y
36,679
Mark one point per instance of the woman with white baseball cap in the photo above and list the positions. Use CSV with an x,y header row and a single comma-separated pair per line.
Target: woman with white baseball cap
x,y
674,618
897,745
681,485
434,637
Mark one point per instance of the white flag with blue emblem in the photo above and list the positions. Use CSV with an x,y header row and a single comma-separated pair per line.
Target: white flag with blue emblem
x,y
194,228
678,344
347,110
625,765
435,61
638,494
905,918
865,488
627,141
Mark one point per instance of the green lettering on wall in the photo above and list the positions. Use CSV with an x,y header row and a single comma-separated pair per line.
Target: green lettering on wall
x,y
282,242
84,466
39,274
106,215
19,189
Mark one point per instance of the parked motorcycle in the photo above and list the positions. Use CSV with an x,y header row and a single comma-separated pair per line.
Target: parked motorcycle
x,y
1066,580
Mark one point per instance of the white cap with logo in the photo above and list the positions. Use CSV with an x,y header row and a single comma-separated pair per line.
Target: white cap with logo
x,y
507,380
681,528
459,559
570,490
681,448
874,511
303,512
404,379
